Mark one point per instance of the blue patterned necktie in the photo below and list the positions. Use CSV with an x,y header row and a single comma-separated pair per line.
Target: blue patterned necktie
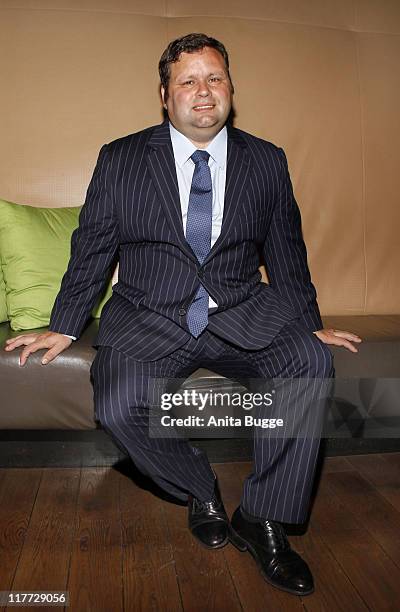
x,y
198,234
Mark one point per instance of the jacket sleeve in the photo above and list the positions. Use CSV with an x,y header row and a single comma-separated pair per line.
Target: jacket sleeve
x,y
94,245
285,253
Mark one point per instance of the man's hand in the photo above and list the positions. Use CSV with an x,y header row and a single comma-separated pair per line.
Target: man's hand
x,y
34,342
338,337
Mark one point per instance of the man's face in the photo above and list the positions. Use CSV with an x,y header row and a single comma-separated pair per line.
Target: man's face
x,y
199,95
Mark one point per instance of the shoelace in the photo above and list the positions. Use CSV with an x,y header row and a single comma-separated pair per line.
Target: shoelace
x,y
210,505
277,531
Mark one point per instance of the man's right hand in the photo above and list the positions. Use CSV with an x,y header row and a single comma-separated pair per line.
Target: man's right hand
x,y
34,342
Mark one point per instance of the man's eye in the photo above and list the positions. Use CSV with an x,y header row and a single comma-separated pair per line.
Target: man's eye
x,y
215,79
188,82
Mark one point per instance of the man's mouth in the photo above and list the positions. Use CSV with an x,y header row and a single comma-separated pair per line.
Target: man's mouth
x,y
203,107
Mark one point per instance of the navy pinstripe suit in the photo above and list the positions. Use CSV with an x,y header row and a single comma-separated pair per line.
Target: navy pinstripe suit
x,y
132,213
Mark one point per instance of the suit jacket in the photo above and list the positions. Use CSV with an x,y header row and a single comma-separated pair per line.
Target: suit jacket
x,y
132,214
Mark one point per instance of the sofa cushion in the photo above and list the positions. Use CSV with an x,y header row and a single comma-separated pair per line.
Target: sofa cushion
x,y
56,396
60,396
34,254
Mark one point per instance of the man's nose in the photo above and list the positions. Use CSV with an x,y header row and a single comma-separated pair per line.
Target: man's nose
x,y
203,88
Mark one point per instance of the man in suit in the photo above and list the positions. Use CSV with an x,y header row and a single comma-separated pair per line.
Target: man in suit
x,y
187,207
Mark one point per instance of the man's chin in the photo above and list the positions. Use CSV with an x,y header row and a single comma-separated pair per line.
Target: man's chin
x,y
212,124
201,131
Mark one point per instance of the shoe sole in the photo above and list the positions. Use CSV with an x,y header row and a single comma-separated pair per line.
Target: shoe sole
x,y
243,546
223,543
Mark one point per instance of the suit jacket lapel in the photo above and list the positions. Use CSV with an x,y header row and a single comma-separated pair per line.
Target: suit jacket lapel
x,y
161,165
237,176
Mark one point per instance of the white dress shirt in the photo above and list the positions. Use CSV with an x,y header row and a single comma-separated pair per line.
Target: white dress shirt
x,y
217,148
183,148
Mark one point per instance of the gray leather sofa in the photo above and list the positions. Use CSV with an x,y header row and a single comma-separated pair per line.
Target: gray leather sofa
x,y
58,397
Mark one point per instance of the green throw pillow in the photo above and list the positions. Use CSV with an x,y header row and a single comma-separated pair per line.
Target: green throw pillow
x,y
3,305
34,252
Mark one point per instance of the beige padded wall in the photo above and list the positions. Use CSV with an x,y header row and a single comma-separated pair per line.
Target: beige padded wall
x,y
75,79
380,111
318,77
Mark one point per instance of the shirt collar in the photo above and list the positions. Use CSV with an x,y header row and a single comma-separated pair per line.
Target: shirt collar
x,y
184,148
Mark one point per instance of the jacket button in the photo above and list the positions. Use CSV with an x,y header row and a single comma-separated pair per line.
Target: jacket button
x,y
182,312
200,274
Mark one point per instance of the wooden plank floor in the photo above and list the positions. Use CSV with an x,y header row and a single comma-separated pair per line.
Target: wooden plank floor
x,y
104,536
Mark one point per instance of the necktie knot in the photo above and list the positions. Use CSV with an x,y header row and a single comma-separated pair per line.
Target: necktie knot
x,y
200,156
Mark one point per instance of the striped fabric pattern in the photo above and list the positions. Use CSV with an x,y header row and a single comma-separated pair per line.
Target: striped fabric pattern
x,y
132,214
280,484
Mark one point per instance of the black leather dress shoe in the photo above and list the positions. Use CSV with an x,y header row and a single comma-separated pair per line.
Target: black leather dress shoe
x,y
266,541
208,521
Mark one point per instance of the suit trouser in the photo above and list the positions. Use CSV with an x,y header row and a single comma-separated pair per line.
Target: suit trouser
x,y
280,484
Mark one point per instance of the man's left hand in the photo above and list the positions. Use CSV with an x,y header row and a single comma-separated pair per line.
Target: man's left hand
x,y
338,337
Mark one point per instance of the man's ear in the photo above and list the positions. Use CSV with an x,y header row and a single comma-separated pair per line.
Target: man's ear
x,y
162,90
